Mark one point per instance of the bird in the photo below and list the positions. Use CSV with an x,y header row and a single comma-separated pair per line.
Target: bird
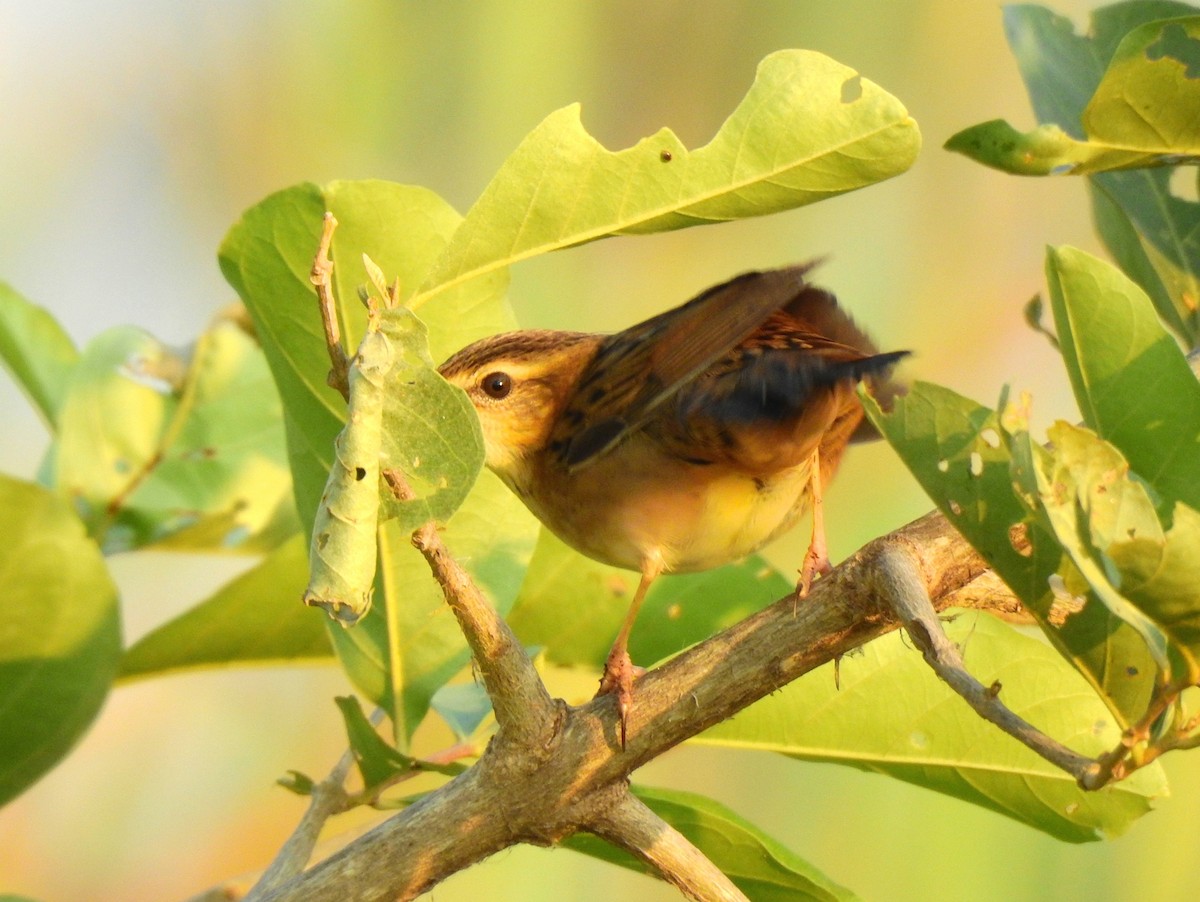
x,y
684,442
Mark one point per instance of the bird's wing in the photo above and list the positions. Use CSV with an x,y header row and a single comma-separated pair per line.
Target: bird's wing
x,y
769,402
638,369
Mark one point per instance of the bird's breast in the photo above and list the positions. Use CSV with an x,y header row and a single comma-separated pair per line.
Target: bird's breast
x,y
638,502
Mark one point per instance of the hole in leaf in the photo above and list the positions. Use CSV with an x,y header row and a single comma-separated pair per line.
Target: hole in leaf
x,y
1018,537
1176,44
360,473
852,89
1065,602
1184,184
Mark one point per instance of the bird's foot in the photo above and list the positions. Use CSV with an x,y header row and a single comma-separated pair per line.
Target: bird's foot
x,y
617,679
816,562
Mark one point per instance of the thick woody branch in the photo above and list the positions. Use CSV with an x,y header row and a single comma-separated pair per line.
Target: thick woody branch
x,y
542,791
632,826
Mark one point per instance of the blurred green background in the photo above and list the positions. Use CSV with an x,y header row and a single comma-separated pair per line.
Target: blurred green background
x,y
136,133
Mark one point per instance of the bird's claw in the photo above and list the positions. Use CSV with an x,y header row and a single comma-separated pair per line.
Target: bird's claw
x,y
617,679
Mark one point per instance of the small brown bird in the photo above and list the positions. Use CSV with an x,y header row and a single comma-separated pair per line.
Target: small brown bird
x,y
681,443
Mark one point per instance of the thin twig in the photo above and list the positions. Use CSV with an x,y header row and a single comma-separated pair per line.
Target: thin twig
x,y
328,798
322,279
899,584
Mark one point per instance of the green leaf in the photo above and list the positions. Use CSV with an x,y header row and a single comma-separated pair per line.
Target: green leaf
x,y
892,715
378,762
962,456
464,707
156,450
409,644
1132,383
808,129
573,606
256,618
1145,112
1103,518
1062,71
761,867
60,638
299,783
1125,245
267,257
430,430
1149,97
37,352
342,552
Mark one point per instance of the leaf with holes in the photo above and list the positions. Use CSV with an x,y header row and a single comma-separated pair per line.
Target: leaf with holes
x,y
1145,112
963,456
409,644
1148,227
809,128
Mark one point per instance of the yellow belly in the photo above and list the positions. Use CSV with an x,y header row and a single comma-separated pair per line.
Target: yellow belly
x,y
635,505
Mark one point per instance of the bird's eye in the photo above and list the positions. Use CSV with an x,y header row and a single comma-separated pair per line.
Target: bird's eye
x,y
496,385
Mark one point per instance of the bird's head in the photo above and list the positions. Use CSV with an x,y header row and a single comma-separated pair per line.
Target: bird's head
x,y
519,383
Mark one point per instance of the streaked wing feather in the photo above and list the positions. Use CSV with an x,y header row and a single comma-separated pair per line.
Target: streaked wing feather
x,y
638,369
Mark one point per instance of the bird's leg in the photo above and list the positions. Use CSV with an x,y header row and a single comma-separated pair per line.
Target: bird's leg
x,y
619,671
816,559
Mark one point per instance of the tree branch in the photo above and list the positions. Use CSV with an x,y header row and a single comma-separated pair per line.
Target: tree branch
x,y
899,583
328,798
321,277
631,825
542,791
525,712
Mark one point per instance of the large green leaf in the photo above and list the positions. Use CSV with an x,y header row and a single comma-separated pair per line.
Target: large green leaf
x,y
267,257
1132,383
761,867
962,456
256,618
1062,71
157,450
409,644
892,715
808,129
573,606
60,638
36,351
